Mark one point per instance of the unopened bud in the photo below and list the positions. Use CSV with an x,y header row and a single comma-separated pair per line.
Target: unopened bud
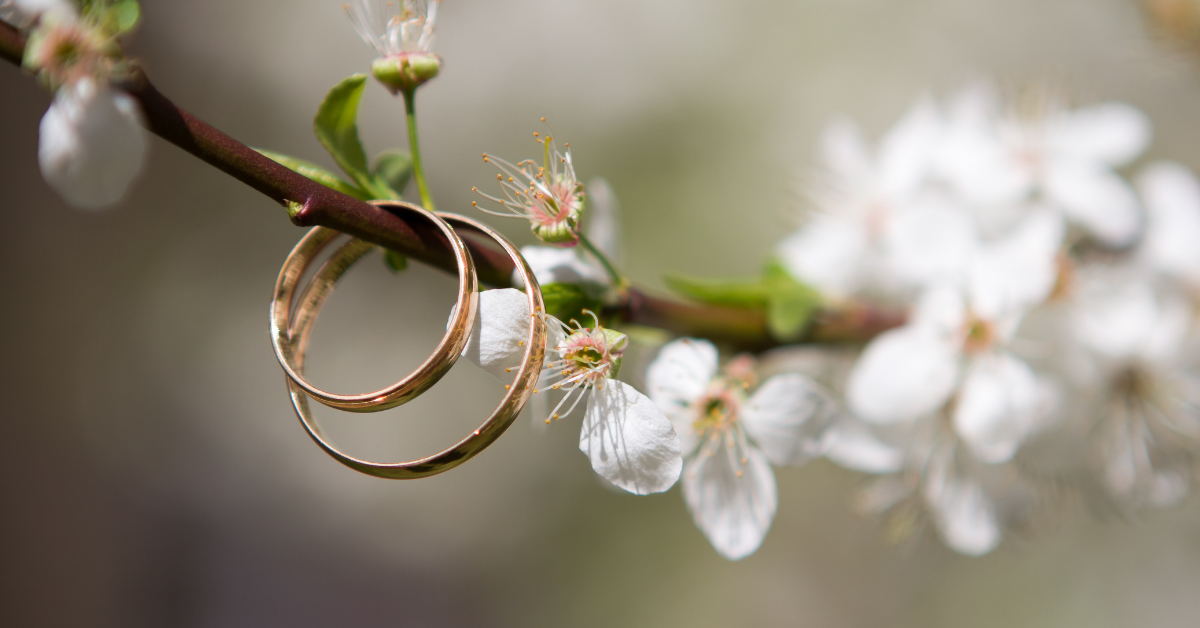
x,y
406,72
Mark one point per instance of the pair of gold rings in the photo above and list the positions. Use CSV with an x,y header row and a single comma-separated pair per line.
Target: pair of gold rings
x,y
292,322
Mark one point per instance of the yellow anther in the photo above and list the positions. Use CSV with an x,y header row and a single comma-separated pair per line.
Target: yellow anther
x,y
499,178
506,387
474,189
474,204
535,391
520,343
543,118
547,421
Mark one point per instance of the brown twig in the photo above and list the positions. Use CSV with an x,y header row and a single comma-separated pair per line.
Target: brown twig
x,y
320,205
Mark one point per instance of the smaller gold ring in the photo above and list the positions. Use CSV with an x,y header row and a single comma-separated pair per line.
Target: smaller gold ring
x,y
429,372
515,397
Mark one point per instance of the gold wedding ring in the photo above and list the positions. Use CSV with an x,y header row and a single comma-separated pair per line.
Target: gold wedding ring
x,y
426,375
295,338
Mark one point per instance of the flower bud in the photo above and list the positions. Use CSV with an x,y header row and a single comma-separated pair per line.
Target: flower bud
x,y
406,72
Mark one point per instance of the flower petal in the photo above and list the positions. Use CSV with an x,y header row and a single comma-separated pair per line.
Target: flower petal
x,y
852,445
1112,133
91,144
552,264
629,440
1114,316
964,516
930,241
827,254
1019,271
501,328
906,152
732,500
604,218
844,150
787,418
1171,193
1095,197
902,375
997,406
679,375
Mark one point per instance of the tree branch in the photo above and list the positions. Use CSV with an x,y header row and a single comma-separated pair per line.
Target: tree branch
x,y
320,205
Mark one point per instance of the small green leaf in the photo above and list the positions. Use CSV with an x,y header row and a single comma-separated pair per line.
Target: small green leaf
x,y
731,292
128,14
565,301
392,170
336,126
788,315
316,173
395,261
791,304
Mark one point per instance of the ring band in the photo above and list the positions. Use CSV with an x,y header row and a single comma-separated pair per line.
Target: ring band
x,y
429,372
516,395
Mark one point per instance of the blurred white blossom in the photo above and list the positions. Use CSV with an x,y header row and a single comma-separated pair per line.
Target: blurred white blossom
x,y
857,201
730,438
999,158
989,221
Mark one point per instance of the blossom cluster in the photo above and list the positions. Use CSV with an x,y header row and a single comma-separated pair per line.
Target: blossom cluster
x,y
1051,310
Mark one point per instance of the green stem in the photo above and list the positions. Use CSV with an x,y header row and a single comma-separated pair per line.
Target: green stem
x,y
414,147
618,280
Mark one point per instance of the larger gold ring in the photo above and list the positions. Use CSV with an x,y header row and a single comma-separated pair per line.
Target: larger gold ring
x,y
426,375
514,399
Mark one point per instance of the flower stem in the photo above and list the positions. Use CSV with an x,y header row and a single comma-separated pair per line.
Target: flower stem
x,y
414,147
618,280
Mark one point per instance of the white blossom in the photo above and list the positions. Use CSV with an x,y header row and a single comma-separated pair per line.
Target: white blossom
x,y
730,438
1147,398
956,345
628,439
1050,153
91,143
840,251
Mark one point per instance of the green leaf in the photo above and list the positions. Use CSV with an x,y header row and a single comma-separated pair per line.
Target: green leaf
x,y
395,261
565,301
731,292
127,14
336,126
316,173
790,305
788,315
393,169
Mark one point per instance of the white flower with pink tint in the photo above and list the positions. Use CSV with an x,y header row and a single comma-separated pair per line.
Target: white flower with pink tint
x,y
731,437
628,439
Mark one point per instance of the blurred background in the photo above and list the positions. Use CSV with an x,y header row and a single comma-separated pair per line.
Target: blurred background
x,y
152,472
